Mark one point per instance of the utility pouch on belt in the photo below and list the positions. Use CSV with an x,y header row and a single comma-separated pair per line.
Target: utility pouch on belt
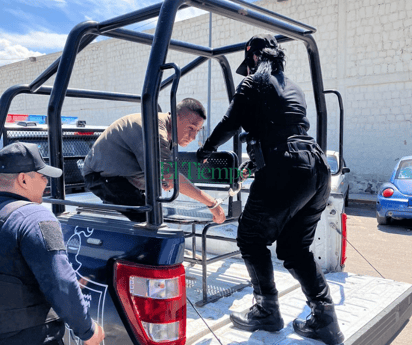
x,y
297,143
254,149
302,143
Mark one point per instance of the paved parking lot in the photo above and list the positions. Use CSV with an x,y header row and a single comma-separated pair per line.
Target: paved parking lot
x,y
386,247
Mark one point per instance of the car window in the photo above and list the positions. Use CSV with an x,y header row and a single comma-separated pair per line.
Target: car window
x,y
333,163
404,170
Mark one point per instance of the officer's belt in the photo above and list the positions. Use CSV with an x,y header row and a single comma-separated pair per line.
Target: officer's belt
x,y
295,143
279,135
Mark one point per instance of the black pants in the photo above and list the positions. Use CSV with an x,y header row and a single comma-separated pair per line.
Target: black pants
x,y
119,191
50,333
285,204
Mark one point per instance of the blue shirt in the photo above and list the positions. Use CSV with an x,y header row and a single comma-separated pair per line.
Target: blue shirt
x,y
32,249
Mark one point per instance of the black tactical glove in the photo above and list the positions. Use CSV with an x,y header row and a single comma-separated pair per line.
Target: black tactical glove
x,y
250,168
203,154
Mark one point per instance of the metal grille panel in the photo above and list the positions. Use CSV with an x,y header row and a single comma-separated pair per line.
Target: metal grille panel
x,y
75,148
73,145
220,168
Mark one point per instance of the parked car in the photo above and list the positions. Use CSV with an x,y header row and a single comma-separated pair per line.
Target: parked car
x,y
340,181
395,197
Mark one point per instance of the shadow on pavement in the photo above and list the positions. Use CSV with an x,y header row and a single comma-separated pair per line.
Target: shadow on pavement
x,y
361,210
401,227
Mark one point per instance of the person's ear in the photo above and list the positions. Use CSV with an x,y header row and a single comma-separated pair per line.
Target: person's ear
x,y
22,179
255,58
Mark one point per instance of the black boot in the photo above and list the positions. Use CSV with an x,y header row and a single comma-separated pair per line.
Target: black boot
x,y
322,325
312,280
264,315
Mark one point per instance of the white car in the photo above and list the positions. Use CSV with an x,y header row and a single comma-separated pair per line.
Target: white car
x,y
340,183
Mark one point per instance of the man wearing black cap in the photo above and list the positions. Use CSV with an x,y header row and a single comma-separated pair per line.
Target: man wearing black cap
x,y
39,290
288,195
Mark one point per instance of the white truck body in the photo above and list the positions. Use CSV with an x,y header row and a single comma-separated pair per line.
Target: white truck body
x,y
327,246
370,310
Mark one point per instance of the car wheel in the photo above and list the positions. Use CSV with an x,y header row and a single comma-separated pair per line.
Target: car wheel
x,y
382,220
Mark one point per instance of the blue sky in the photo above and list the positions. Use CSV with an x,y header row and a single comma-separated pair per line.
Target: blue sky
x,y
37,27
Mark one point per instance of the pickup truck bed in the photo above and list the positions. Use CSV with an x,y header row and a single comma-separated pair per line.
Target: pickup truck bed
x,y
370,310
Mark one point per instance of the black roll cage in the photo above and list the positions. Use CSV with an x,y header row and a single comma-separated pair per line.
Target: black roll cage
x,y
85,33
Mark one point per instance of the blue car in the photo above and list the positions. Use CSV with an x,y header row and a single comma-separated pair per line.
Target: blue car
x,y
395,197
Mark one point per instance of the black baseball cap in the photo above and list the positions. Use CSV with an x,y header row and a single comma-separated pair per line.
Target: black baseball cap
x,y
23,157
256,43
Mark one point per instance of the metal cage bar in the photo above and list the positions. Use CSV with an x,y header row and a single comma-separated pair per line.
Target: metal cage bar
x,y
276,15
175,145
85,33
341,124
150,96
238,13
58,93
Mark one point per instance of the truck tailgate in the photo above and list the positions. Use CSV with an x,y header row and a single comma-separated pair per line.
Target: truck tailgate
x,y
370,310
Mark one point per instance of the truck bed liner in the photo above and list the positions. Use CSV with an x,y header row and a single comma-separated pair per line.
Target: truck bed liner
x,y
370,310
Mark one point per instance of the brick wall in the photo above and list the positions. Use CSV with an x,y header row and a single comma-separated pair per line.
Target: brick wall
x,y
365,49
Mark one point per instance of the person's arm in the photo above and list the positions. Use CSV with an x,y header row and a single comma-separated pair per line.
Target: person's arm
x,y
42,246
189,189
231,121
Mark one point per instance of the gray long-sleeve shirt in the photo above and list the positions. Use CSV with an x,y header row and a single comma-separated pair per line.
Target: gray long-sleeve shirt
x,y
119,151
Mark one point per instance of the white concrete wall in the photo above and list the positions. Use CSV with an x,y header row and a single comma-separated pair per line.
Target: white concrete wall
x,y
365,49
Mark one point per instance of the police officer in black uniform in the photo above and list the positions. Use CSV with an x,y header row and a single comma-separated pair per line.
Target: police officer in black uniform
x,y
35,273
288,195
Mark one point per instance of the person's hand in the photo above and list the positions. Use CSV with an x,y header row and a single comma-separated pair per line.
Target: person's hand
x,y
247,169
202,155
167,185
245,174
97,337
218,214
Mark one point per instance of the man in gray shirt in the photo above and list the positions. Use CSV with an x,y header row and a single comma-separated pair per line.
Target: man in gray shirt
x,y
114,167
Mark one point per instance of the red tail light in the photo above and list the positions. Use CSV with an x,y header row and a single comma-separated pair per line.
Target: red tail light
x,y
387,193
83,133
344,241
154,301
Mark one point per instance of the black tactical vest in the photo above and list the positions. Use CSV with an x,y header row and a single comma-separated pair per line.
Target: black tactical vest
x,y
21,305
